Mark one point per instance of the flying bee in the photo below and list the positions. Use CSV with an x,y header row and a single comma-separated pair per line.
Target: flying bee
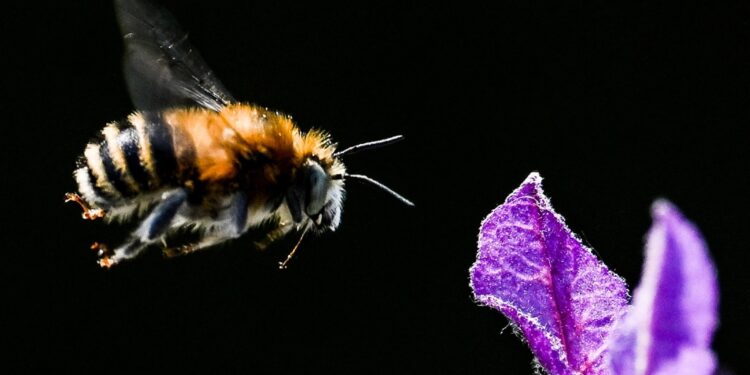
x,y
193,157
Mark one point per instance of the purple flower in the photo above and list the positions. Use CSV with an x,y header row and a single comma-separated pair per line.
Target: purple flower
x,y
533,269
573,311
669,327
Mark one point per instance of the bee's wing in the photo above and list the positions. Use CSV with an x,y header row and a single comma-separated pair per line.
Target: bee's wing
x,y
162,69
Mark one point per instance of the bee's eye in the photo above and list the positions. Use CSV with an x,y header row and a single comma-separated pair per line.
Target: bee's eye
x,y
308,193
317,189
294,200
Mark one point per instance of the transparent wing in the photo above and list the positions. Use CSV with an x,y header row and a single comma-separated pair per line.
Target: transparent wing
x,y
162,69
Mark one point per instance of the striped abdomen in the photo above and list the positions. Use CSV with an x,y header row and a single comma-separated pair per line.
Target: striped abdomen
x,y
135,157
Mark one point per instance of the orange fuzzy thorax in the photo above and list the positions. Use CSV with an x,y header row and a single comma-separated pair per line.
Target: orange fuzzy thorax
x,y
242,131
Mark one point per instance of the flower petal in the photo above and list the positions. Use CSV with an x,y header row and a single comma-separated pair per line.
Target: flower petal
x,y
533,269
674,312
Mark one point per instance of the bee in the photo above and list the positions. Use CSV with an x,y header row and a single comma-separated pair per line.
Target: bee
x,y
193,157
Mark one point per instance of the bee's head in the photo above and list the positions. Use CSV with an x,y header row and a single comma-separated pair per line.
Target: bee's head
x,y
315,196
317,191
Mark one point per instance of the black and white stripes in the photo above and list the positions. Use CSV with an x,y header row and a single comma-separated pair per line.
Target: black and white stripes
x,y
133,158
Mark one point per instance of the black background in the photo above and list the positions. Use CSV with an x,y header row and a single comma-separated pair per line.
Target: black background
x,y
615,105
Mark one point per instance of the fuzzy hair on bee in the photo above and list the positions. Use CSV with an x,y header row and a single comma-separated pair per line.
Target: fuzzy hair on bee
x,y
193,157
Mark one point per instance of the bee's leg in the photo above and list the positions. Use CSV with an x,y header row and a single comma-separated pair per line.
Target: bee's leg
x,y
151,228
88,212
171,252
274,235
232,226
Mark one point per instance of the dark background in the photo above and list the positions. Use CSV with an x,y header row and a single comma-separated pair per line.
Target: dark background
x,y
615,105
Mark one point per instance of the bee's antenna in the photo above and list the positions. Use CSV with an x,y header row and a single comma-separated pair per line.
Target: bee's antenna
x,y
368,145
376,183
282,265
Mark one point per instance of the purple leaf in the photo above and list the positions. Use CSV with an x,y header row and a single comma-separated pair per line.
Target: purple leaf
x,y
669,327
533,269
